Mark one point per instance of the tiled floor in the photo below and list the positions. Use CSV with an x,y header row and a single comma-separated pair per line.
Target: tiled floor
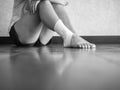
x,y
57,68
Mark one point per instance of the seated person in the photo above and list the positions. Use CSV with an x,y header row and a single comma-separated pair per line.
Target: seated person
x,y
34,22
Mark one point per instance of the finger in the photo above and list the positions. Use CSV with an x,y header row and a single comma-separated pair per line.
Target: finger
x,y
32,6
35,6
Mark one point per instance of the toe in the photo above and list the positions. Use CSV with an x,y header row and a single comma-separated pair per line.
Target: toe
x,y
83,46
93,45
80,45
88,46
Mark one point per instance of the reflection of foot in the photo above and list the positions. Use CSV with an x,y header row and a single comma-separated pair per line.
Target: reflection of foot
x,y
78,42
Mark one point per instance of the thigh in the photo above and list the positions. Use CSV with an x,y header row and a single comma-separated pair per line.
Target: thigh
x,y
14,37
28,28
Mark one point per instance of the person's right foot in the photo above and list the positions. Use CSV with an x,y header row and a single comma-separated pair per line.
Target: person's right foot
x,y
46,35
79,42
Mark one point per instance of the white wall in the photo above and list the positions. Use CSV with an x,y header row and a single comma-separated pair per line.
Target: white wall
x,y
5,15
89,17
95,17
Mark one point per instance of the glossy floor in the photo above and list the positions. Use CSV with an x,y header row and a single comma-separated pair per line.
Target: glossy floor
x,y
57,68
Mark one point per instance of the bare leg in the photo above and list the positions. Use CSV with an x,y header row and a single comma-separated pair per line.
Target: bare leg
x,y
28,28
62,14
49,17
47,14
47,34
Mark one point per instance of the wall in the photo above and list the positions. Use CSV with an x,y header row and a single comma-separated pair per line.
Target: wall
x,y
89,17
95,17
5,15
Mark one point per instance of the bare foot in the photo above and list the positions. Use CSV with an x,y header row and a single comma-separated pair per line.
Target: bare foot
x,y
46,35
79,42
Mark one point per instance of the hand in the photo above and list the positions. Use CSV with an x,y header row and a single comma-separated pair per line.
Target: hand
x,y
32,5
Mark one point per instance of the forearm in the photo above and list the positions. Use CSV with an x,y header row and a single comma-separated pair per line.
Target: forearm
x,y
61,2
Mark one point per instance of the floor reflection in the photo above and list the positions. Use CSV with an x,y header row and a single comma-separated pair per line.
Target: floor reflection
x,y
58,68
38,67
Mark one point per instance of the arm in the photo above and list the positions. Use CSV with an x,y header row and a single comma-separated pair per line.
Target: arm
x,y
62,2
32,4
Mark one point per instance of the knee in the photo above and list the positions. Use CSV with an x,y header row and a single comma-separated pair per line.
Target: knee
x,y
60,2
58,7
42,4
25,43
44,1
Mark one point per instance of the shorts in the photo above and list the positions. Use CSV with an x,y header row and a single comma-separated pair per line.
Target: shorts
x,y
14,37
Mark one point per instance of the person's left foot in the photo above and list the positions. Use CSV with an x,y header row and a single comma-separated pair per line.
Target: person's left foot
x,y
79,42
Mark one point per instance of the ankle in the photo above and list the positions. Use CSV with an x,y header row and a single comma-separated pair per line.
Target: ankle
x,y
63,31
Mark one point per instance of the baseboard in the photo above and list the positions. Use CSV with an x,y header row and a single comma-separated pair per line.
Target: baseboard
x,y
58,40
94,39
